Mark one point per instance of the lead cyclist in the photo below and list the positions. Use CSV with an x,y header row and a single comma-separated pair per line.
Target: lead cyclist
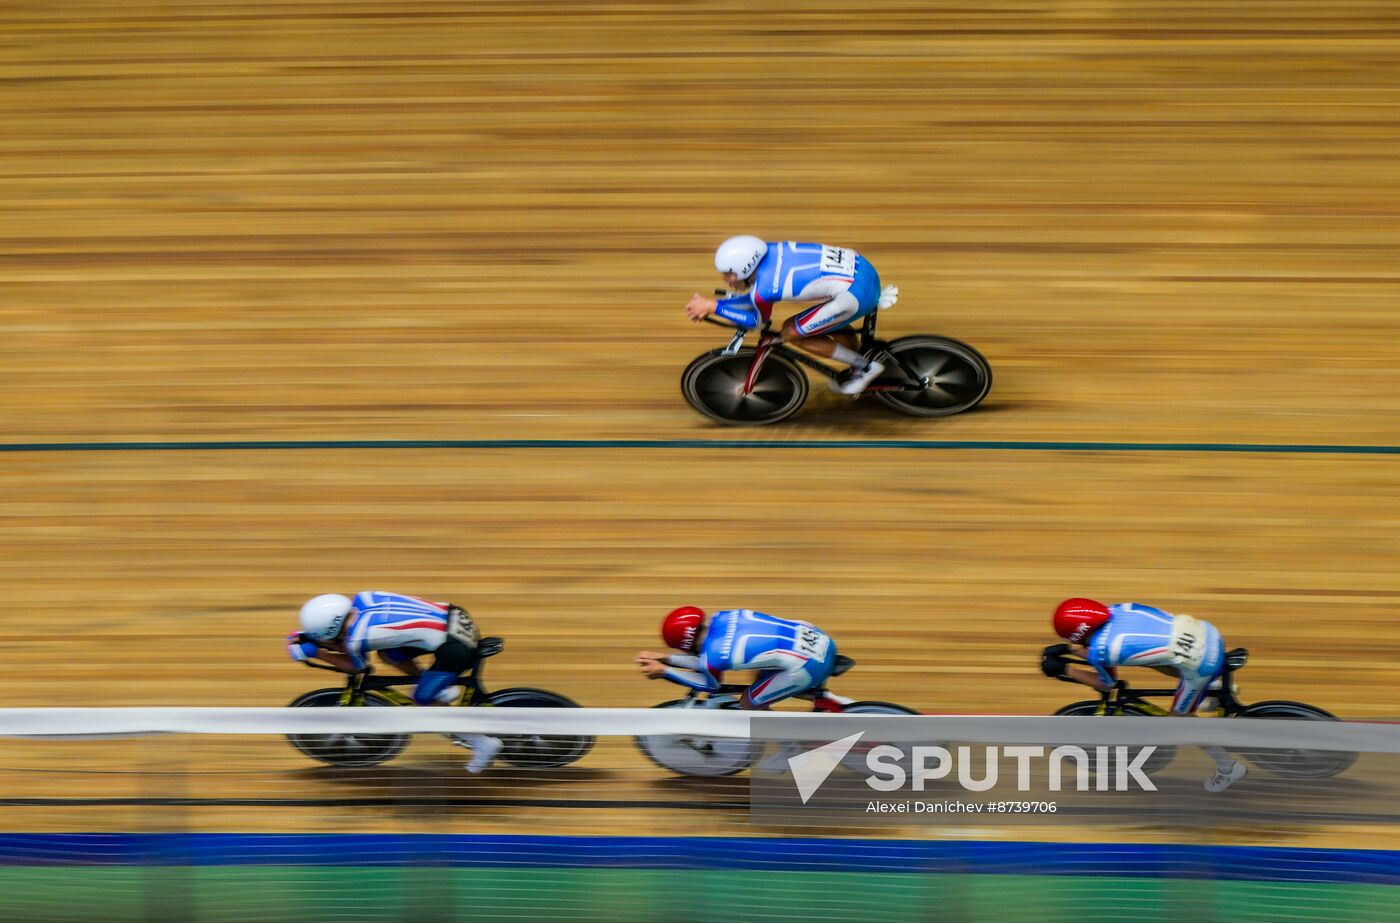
x,y
838,285
1134,635
343,631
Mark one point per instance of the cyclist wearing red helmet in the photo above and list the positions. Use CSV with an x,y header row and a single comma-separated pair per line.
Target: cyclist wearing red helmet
x,y
791,656
1134,635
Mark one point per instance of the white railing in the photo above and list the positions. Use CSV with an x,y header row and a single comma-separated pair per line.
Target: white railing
x,y
1375,737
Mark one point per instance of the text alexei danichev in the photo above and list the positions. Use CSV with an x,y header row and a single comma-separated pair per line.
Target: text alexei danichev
x,y
961,807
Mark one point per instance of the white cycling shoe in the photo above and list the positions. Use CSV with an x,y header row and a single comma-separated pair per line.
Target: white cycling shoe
x,y
1223,780
859,381
484,750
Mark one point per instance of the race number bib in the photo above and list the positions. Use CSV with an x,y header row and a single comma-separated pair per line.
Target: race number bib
x,y
1188,641
461,626
811,643
838,261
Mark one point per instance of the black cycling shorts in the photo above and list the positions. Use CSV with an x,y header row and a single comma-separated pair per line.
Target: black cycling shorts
x,y
454,657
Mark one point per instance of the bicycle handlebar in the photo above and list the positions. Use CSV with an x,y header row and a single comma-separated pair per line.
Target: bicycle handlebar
x,y
741,688
370,678
322,666
710,319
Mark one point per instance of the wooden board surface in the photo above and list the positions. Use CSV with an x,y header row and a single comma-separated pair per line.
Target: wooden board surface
x,y
1162,222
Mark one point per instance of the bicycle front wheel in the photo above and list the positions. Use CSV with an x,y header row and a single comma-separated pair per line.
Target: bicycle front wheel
x,y
696,756
539,751
1295,763
856,758
347,750
714,385
1155,763
877,708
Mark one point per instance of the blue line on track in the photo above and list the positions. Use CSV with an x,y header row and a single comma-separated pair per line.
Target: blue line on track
x,y
1233,863
485,444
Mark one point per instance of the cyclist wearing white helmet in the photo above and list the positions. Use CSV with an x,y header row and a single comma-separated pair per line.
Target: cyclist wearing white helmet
x,y
837,283
342,632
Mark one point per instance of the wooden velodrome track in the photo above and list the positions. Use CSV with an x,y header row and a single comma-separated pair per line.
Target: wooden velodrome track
x,y
1161,221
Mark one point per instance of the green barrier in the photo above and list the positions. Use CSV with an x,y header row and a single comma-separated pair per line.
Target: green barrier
x,y
309,894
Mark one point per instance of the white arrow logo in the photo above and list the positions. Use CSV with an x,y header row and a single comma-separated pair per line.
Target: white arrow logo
x,y
810,769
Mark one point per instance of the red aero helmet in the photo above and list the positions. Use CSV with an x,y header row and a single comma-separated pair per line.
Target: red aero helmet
x,y
1076,619
681,628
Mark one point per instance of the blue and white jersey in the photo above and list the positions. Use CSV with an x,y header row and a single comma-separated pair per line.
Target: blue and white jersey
x,y
1145,636
741,639
382,621
793,271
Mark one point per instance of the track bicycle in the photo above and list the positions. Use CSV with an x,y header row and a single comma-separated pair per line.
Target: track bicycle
x,y
1221,702
925,376
724,756
531,751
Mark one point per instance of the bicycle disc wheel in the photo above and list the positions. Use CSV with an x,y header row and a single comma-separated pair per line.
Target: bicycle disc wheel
x,y
350,750
714,385
958,377
539,751
696,756
1155,763
1295,763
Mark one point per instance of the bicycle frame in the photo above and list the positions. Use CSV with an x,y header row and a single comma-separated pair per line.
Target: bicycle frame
x,y
1111,701
768,343
473,692
728,696
356,687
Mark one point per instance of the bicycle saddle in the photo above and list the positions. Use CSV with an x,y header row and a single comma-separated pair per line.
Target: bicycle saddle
x,y
489,647
843,663
1237,658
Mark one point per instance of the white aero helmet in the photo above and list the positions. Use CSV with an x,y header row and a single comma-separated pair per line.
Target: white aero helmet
x,y
322,616
740,255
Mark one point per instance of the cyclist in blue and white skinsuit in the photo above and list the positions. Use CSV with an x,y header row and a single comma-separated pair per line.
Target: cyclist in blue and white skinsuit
x,y
837,283
1135,635
791,656
343,631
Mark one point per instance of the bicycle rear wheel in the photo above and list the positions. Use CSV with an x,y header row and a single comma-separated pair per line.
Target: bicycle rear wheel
x,y
696,756
1155,763
539,751
714,385
959,377
1295,763
348,750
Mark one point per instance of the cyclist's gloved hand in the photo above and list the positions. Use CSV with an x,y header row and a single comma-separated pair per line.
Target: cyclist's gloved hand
x,y
298,649
1053,663
1059,650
